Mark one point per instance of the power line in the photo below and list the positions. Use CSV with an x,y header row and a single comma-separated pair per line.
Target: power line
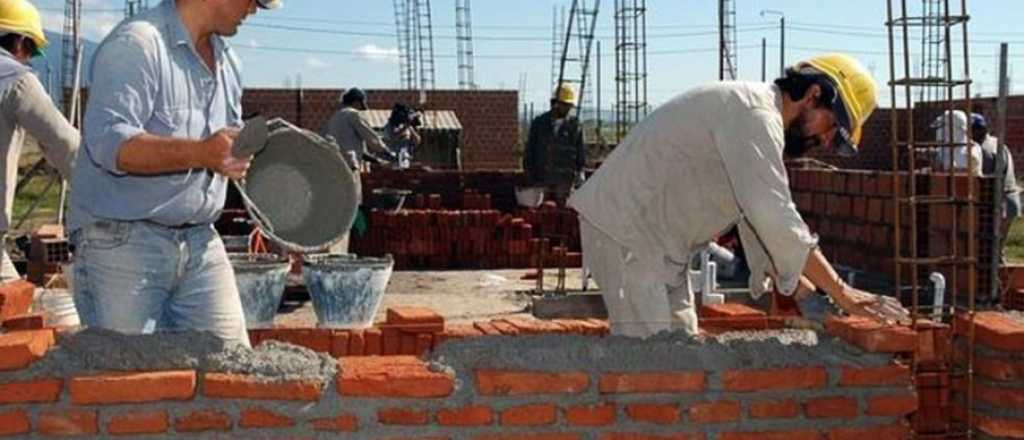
x,y
484,56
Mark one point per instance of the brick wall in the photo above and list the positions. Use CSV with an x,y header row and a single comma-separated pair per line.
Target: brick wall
x,y
999,368
470,392
489,117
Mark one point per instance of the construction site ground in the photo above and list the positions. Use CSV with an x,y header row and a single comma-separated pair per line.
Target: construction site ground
x,y
458,295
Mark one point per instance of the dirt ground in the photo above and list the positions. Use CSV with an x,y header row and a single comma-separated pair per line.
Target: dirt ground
x,y
459,296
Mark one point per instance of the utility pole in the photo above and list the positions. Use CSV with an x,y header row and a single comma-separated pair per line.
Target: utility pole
x,y
782,38
764,54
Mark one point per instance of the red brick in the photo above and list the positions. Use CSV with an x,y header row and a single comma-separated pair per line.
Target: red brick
x,y
595,415
415,319
392,376
476,415
372,344
67,423
831,407
715,412
529,415
769,409
238,386
403,416
407,344
390,341
889,375
551,436
999,427
893,432
513,383
133,387
423,343
339,343
729,310
1002,397
34,321
14,422
148,422
341,423
357,344
15,298
203,420
1004,370
41,390
654,382
871,335
653,413
263,418
773,435
897,405
772,380
637,436
21,348
996,330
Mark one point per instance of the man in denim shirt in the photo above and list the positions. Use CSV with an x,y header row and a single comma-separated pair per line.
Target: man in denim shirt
x,y
164,110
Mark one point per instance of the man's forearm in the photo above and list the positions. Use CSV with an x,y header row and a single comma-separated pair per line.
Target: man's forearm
x,y
820,273
150,154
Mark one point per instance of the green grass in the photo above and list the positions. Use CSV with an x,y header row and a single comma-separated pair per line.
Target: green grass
x,y
45,213
1014,250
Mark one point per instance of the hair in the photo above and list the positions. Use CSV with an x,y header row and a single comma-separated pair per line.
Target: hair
x,y
11,41
795,84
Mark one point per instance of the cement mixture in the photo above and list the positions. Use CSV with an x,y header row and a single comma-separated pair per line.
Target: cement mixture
x,y
665,351
92,351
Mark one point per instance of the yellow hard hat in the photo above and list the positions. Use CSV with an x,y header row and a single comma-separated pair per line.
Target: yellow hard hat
x,y
856,92
565,94
20,17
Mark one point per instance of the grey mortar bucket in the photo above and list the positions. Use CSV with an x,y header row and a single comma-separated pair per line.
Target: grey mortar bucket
x,y
346,290
261,280
299,189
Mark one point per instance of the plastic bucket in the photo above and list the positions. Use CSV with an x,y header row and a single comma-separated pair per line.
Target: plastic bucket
x,y
529,196
261,280
235,243
346,290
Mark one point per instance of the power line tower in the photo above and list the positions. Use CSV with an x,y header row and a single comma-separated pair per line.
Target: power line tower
x,y
575,61
424,36
132,7
403,30
727,68
464,38
557,39
933,56
70,43
630,64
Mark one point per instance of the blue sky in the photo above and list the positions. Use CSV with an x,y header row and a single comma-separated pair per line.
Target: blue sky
x,y
351,42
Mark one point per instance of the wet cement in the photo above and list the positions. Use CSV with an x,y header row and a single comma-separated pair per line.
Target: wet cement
x,y
97,350
662,352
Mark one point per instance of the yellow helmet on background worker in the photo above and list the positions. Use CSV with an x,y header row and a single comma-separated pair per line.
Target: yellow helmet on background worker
x,y
20,17
565,94
856,91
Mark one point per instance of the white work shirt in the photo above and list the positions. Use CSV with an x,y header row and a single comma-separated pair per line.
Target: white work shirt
x,y
958,134
708,159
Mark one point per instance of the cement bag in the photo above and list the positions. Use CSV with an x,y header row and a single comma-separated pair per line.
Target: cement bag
x,y
300,190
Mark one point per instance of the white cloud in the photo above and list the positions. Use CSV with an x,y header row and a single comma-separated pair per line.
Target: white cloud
x,y
95,25
254,43
316,63
377,53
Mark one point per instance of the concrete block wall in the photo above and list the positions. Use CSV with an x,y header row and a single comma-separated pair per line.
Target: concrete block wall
x,y
489,117
541,386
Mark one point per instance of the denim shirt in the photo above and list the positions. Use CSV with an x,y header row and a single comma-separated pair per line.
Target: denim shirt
x,y
149,78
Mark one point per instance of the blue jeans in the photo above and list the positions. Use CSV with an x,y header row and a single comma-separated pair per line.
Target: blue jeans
x,y
139,277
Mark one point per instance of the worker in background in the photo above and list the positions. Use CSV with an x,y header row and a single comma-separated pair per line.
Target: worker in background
x,y
26,109
401,134
998,161
554,155
709,159
960,153
350,129
164,111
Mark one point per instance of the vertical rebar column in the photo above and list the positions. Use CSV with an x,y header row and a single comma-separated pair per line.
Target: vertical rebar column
x,y
727,69
403,32
72,39
464,37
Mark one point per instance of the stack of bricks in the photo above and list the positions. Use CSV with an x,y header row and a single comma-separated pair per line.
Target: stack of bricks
x,y
999,373
853,213
48,250
1011,283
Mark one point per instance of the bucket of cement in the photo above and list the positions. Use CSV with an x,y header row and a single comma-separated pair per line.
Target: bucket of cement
x,y
529,196
261,280
235,243
300,190
346,290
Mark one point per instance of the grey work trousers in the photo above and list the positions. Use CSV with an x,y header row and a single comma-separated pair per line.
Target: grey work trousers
x,y
644,294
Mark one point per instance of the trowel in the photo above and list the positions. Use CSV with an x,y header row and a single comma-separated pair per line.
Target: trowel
x,y
252,139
